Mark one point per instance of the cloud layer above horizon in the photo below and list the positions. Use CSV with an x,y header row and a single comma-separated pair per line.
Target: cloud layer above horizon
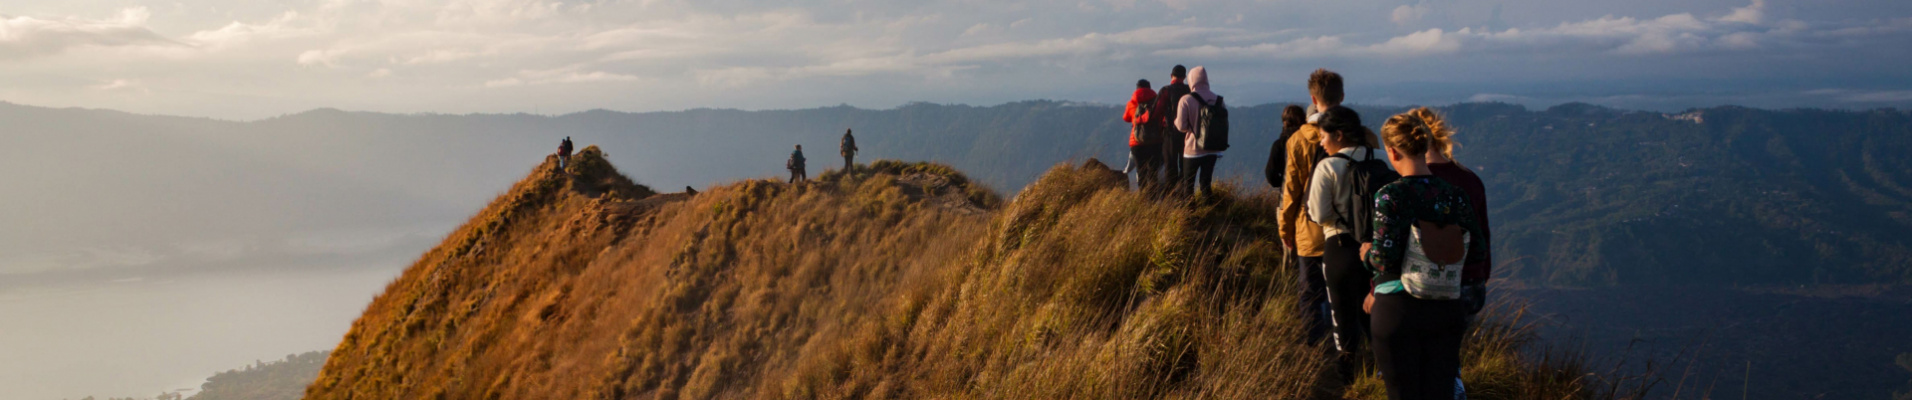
x,y
234,59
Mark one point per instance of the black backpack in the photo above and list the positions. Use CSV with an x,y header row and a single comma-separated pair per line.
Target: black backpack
x,y
1364,179
1140,129
1212,135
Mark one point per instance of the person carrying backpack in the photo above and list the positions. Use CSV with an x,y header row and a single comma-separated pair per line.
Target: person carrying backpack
x,y
1162,116
795,164
1145,142
848,150
1202,118
1341,198
1425,233
564,153
1299,235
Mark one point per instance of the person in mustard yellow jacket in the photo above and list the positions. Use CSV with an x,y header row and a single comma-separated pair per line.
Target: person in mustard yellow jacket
x,y
1299,235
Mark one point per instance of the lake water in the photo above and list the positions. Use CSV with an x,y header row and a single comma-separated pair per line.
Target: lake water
x,y
133,336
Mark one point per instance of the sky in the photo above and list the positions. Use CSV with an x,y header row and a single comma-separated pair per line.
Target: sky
x,y
254,59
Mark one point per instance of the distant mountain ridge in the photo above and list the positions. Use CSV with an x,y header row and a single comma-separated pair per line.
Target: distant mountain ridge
x,y
1581,194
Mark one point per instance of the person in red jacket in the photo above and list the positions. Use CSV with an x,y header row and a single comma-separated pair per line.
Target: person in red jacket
x,y
1145,140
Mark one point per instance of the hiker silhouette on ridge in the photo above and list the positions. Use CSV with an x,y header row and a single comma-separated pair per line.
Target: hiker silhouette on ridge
x,y
795,165
564,153
848,150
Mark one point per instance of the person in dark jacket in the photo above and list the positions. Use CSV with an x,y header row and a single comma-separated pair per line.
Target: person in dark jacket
x,y
564,153
795,164
848,150
1292,117
1163,115
1440,160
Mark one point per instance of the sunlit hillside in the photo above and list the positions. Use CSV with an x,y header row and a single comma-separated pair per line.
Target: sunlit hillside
x,y
894,281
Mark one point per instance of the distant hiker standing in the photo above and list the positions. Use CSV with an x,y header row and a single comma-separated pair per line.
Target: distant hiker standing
x,y
1202,117
848,150
1341,200
1425,232
1162,116
1145,141
795,164
564,153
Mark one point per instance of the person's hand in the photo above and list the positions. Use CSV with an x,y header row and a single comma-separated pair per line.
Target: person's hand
x,y
1364,251
1287,243
1367,306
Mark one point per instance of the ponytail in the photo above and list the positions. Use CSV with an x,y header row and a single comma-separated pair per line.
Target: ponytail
x,y
1418,130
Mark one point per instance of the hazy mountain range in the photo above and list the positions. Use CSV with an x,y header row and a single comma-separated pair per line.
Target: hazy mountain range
x,y
1580,194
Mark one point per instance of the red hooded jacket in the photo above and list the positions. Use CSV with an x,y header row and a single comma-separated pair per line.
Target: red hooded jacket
x,y
1141,96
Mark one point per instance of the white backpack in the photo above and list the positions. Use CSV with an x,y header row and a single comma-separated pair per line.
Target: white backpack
x,y
1428,279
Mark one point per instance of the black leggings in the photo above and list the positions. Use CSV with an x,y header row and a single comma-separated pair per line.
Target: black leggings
x,y
1314,297
1200,171
1148,166
1347,283
1417,345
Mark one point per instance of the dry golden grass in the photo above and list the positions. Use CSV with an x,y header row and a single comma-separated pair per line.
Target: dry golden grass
x,y
897,281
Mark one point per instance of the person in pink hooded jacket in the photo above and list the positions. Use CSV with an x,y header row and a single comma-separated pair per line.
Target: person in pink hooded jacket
x,y
1198,164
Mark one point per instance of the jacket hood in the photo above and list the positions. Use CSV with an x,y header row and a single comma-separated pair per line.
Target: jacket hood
x,y
1143,94
1198,79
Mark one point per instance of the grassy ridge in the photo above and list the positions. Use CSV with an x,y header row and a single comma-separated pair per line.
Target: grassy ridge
x,y
893,281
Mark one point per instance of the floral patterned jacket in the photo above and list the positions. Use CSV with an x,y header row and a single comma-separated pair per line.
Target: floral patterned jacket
x,y
1416,198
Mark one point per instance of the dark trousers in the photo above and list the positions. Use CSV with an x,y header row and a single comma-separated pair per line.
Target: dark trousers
x,y
1148,165
797,175
1348,287
1201,172
1417,345
1172,165
1314,300
849,162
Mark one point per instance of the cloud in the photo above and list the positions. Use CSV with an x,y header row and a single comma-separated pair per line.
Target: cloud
x,y
117,84
1623,36
410,56
1409,13
30,37
237,33
564,75
1750,14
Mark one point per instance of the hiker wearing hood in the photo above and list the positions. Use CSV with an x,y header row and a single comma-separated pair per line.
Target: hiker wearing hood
x,y
1198,160
1162,117
1145,142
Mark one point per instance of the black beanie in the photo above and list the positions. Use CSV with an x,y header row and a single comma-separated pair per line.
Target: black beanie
x,y
1179,71
1142,84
